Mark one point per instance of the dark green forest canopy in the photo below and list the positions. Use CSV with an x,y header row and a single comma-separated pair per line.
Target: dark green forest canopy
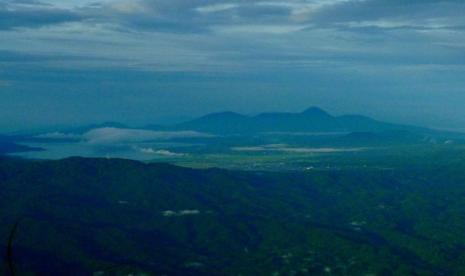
x,y
110,215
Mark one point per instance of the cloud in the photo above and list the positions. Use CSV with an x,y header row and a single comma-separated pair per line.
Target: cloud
x,y
110,136
233,35
59,136
33,14
176,16
161,152
181,213
180,16
208,15
216,8
264,29
392,14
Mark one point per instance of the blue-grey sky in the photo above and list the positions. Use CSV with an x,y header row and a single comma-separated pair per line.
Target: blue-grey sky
x,y
149,61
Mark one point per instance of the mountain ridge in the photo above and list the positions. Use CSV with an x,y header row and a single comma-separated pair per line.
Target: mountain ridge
x,y
312,119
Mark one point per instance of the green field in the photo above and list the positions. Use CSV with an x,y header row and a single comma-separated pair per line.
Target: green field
x,y
387,157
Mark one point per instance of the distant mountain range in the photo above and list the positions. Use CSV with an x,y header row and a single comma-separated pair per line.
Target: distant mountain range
x,y
339,130
312,119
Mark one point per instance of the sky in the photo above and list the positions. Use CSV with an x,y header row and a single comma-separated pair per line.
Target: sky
x,y
160,61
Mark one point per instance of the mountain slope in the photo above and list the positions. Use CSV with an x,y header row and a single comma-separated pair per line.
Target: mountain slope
x,y
122,217
311,120
227,121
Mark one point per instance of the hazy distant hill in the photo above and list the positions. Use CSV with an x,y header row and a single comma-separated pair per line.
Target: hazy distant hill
x,y
312,127
7,145
311,120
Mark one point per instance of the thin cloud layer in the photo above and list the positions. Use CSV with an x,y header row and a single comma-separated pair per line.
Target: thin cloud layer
x,y
111,136
33,14
231,36
180,16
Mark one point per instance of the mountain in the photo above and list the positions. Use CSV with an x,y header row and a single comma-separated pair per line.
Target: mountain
x,y
82,216
8,145
229,122
312,119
